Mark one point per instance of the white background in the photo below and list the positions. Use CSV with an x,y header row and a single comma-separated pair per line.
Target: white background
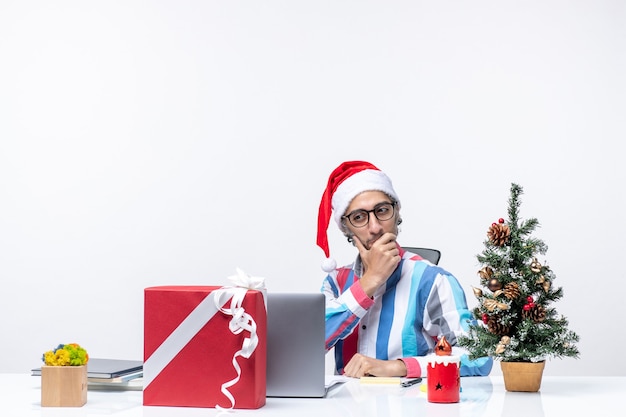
x,y
169,142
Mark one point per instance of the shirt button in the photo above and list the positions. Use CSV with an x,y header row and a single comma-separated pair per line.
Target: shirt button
x,y
364,327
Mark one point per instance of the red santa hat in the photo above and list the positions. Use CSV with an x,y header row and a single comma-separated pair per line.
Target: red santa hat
x,y
346,182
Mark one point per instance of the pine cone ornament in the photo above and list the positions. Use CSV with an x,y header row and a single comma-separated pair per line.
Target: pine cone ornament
x,y
496,327
536,313
499,234
511,290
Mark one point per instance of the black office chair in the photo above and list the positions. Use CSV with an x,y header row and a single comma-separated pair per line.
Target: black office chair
x,y
432,255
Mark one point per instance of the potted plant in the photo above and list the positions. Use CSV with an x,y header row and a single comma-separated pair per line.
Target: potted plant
x,y
517,324
64,376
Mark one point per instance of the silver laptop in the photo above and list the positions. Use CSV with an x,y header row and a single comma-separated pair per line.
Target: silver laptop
x,y
295,345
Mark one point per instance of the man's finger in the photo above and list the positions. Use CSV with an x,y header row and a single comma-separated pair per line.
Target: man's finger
x,y
389,237
359,245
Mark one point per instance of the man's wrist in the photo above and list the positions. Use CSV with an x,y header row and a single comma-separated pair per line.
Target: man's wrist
x,y
369,285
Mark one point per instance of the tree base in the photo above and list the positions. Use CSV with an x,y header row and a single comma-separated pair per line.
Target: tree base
x,y
522,376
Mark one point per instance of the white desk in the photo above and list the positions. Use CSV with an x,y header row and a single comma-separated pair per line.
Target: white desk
x,y
20,395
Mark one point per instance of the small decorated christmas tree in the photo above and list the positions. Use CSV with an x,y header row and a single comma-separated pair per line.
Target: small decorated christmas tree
x,y
516,322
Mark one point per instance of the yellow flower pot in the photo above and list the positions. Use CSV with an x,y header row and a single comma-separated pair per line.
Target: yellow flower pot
x,y
522,376
63,386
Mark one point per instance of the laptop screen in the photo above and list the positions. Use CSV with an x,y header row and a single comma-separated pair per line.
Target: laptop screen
x,y
295,345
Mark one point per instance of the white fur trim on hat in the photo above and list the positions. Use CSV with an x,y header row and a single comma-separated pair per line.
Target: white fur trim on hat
x,y
366,180
329,265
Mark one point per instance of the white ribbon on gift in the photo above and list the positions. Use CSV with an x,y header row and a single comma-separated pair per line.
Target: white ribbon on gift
x,y
201,315
240,321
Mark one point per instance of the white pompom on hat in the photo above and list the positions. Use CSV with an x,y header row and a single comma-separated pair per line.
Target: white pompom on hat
x,y
348,180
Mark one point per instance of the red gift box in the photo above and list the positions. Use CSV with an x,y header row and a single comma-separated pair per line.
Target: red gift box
x,y
190,348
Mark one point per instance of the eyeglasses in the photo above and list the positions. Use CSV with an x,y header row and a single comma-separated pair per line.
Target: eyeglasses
x,y
360,218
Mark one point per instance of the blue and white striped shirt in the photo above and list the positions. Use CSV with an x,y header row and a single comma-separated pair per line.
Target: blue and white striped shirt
x,y
403,320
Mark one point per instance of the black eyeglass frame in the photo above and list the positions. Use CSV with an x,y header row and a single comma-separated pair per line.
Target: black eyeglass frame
x,y
373,211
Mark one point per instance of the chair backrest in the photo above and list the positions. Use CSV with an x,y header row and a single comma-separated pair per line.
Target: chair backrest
x,y
432,255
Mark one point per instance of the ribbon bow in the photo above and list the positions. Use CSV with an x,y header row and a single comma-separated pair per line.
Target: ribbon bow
x,y
240,320
246,281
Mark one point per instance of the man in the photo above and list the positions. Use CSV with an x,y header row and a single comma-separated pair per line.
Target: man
x,y
387,310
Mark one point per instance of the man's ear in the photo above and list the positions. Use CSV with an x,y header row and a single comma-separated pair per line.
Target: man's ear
x,y
346,232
